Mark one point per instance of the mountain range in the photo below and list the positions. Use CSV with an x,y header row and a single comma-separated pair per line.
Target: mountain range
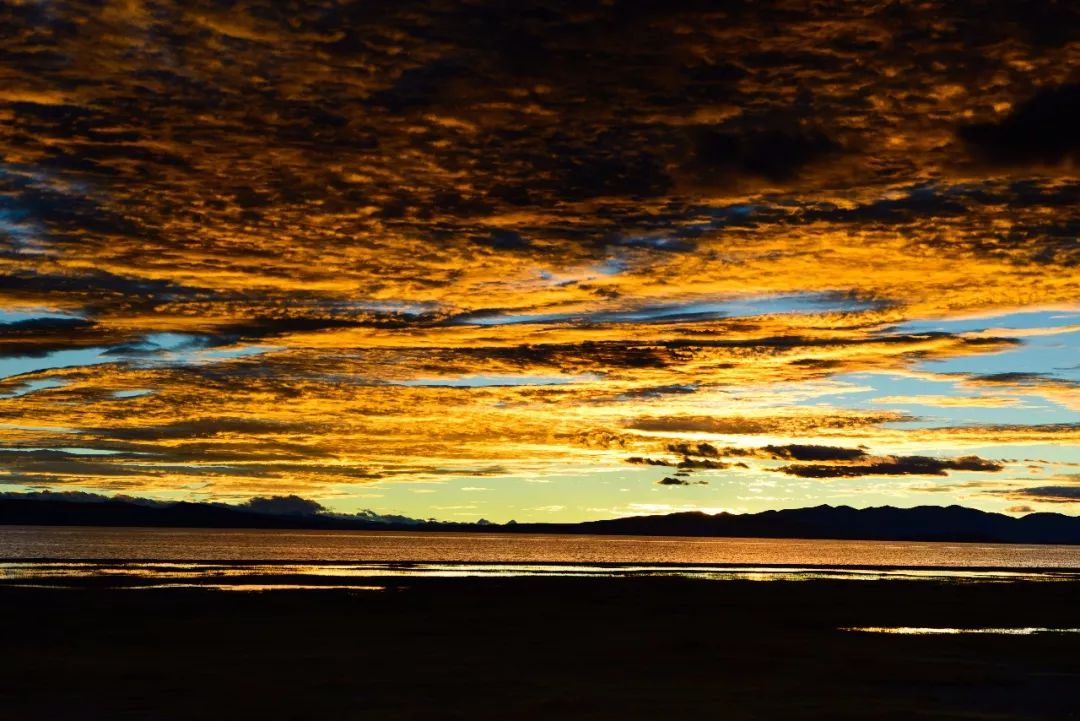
x,y
921,523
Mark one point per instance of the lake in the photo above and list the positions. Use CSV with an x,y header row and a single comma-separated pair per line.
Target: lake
x,y
249,559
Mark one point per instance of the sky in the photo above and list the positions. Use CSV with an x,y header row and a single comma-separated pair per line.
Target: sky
x,y
542,261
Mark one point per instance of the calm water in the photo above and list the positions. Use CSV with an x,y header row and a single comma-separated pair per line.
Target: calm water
x,y
270,558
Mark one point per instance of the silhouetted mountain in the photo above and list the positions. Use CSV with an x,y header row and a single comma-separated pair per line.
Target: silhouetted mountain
x,y
923,523
84,509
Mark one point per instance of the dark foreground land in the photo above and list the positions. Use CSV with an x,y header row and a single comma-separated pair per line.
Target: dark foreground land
x,y
553,648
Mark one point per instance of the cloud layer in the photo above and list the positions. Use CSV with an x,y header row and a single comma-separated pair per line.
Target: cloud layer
x,y
250,251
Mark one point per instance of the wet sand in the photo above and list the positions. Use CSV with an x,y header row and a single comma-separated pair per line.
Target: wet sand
x,y
541,648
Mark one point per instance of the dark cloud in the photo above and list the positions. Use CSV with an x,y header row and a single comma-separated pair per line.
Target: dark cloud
x,y
916,205
660,391
62,466
1044,382
291,505
1039,130
797,452
701,464
660,243
894,466
775,155
706,450
501,239
38,337
205,428
1048,494
96,290
1018,378
676,481
267,327
738,425
1048,24
814,453
649,461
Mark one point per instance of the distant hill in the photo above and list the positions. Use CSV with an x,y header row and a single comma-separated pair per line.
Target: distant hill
x,y
923,523
88,510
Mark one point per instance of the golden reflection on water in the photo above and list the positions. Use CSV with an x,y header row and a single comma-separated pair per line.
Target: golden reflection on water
x,y
230,547
141,558
265,576
260,587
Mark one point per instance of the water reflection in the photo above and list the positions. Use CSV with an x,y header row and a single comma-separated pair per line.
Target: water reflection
x,y
322,547
358,575
261,587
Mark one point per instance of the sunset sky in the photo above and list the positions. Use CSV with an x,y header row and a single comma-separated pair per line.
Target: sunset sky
x,y
547,261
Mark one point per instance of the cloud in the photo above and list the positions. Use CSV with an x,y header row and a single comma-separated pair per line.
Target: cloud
x,y
894,466
802,423
774,154
673,481
501,239
291,505
1062,390
38,337
1060,493
701,464
1049,493
676,481
685,463
710,219
706,450
1039,130
205,428
649,461
798,452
